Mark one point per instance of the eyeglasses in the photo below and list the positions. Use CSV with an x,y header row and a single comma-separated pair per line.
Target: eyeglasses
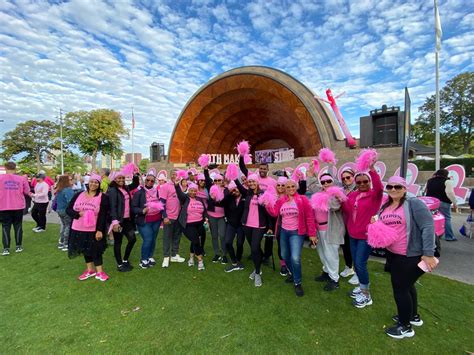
x,y
326,182
347,177
280,185
149,180
396,187
218,180
360,182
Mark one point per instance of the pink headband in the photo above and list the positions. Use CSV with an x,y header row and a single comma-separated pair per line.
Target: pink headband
x,y
96,177
232,186
397,180
326,178
192,185
365,173
218,177
201,177
252,177
282,180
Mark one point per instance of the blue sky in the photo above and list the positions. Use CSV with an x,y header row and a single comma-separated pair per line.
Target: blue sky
x,y
153,55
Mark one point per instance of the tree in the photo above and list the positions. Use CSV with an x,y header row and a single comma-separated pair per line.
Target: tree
x,y
456,117
143,165
94,132
73,163
33,138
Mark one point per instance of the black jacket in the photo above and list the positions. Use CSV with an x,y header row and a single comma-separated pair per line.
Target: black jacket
x,y
435,187
263,216
138,205
101,218
117,202
233,212
184,199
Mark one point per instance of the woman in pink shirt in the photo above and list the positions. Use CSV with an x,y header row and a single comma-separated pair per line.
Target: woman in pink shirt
x,y
413,229
41,201
191,218
89,210
203,195
297,221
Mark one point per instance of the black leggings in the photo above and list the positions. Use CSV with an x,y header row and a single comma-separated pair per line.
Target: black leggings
x,y
192,233
202,239
128,231
97,259
9,218
346,250
38,213
230,232
404,273
254,237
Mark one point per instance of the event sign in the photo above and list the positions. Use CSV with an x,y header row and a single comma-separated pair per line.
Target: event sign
x,y
457,174
412,175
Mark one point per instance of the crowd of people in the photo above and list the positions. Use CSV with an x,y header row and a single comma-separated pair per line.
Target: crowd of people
x,y
326,210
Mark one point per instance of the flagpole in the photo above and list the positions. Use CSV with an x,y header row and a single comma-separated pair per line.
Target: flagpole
x,y
133,127
61,136
438,34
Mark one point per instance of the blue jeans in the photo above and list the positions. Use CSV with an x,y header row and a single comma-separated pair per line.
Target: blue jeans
x,y
291,246
149,232
360,255
445,209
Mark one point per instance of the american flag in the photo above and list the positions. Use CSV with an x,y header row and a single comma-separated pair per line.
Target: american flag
x,y
133,120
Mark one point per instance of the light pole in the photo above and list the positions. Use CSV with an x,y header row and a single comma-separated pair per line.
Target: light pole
x,y
61,137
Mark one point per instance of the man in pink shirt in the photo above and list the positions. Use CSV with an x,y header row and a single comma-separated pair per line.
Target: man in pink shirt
x,y
13,189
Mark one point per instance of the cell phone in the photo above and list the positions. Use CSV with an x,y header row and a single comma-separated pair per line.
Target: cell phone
x,y
422,265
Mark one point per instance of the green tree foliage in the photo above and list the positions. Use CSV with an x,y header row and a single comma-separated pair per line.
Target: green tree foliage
x,y
73,163
143,166
94,132
456,117
33,138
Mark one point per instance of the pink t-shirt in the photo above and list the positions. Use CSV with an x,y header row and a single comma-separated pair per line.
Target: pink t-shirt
x,y
86,203
265,182
168,192
126,197
395,218
321,218
13,189
41,192
195,211
202,195
252,219
152,196
289,216
218,213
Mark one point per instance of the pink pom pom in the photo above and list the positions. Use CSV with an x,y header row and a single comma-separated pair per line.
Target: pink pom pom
x,y
243,148
337,192
203,160
326,155
366,158
155,206
182,174
268,198
379,235
89,218
216,193
129,169
316,166
247,159
232,172
297,175
320,201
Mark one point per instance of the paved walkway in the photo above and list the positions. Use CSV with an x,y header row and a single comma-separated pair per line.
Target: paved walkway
x,y
456,262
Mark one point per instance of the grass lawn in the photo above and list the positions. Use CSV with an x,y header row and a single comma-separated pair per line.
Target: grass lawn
x,y
45,309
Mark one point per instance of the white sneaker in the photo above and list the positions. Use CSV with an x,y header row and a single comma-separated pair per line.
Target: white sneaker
x,y
177,259
354,280
348,271
166,262
34,229
39,230
191,262
201,265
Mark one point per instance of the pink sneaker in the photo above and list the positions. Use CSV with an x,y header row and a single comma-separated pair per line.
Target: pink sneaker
x,y
102,276
86,274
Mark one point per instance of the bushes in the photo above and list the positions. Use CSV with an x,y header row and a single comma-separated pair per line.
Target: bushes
x,y
429,165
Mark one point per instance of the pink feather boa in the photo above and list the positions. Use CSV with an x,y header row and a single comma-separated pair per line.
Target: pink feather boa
x,y
182,174
129,169
203,160
232,172
320,201
337,192
297,175
89,218
268,198
326,155
155,206
247,159
216,193
316,166
366,158
379,235
243,148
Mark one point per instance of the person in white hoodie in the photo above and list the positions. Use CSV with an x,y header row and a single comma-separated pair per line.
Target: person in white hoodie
x,y
41,201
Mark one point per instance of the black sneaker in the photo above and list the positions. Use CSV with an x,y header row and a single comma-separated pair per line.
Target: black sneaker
x,y
224,260
299,290
331,285
144,264
6,252
399,331
289,279
284,271
151,262
240,266
123,268
18,249
416,320
323,277
231,267
216,259
127,263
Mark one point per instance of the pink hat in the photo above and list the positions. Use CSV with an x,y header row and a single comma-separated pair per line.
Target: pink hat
x,y
232,186
397,180
282,180
218,177
252,177
192,171
192,185
326,177
201,177
365,173
97,177
162,177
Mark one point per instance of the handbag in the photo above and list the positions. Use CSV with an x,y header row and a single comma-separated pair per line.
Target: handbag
x,y
467,228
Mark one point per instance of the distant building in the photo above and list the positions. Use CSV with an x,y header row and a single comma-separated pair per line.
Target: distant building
x,y
129,158
157,152
107,161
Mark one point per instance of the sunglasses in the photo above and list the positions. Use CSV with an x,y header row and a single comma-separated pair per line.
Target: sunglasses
x,y
218,180
326,182
396,187
360,182
291,187
347,177
280,185
149,180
